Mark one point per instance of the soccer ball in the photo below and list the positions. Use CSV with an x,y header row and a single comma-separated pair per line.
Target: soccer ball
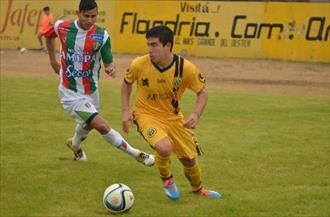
x,y
118,198
23,50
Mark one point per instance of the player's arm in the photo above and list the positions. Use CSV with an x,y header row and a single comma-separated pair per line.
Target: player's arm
x,y
130,77
127,117
197,83
194,116
107,58
51,48
50,36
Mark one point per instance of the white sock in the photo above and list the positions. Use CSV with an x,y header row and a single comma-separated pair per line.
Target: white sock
x,y
79,136
114,138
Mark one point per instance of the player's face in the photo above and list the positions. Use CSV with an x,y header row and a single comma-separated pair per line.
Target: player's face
x,y
86,19
157,51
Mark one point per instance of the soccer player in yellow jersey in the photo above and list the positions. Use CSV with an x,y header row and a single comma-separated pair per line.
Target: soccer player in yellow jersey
x,y
162,77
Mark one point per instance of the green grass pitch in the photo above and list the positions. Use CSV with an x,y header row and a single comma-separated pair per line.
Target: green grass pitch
x,y
268,155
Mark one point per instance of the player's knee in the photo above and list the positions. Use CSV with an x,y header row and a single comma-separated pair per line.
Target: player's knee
x,y
164,147
101,126
188,162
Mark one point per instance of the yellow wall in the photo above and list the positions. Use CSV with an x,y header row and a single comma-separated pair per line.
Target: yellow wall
x,y
288,31
301,28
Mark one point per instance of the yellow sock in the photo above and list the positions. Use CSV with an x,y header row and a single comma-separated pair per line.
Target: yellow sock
x,y
193,174
164,166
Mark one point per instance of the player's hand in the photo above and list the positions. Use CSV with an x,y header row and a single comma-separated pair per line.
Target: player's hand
x,y
191,121
56,66
127,119
110,70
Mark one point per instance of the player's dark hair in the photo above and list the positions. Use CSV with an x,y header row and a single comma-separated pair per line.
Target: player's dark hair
x,y
46,8
163,33
86,5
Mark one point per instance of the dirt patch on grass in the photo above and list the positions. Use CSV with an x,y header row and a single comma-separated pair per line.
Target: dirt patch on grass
x,y
245,75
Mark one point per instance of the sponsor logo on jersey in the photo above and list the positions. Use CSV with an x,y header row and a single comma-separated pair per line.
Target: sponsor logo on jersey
x,y
97,37
160,96
72,72
161,81
73,56
151,132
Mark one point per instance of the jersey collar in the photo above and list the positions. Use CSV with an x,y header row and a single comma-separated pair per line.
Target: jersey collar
x,y
161,70
81,29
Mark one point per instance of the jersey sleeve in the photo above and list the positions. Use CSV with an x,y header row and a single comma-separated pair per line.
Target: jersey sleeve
x,y
106,52
52,30
131,73
195,81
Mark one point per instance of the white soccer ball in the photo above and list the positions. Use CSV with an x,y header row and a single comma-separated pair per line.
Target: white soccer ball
x,y
118,198
23,50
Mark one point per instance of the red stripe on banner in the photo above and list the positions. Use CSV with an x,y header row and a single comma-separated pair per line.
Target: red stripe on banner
x,y
88,51
62,35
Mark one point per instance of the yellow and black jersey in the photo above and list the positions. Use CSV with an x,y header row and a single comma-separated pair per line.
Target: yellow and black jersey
x,y
159,90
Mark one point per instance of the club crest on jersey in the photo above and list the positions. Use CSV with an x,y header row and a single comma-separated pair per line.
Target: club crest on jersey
x,y
176,82
97,45
97,37
151,132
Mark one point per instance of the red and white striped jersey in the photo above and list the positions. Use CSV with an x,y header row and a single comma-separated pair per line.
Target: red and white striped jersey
x,y
81,54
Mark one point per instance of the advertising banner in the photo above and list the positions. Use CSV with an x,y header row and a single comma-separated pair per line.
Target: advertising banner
x,y
20,19
276,30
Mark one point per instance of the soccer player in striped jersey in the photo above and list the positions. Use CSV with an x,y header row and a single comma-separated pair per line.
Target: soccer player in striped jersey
x,y
161,78
83,45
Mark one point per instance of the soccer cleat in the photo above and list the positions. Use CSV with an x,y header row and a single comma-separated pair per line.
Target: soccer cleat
x,y
170,189
78,155
208,193
145,159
